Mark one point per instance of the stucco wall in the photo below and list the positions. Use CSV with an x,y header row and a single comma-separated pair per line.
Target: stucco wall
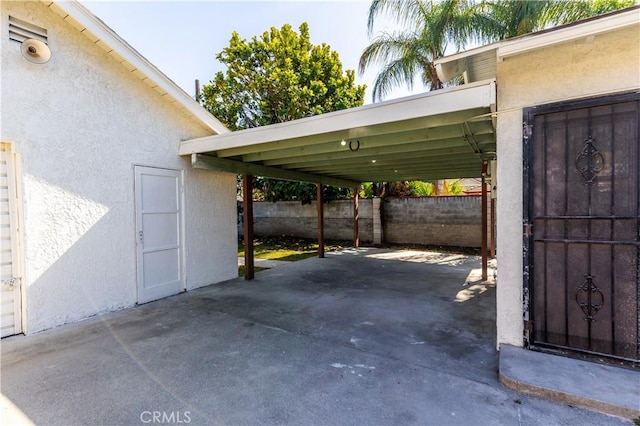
x,y
81,122
604,64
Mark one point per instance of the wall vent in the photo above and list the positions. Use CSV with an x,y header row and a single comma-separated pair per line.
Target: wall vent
x,y
20,31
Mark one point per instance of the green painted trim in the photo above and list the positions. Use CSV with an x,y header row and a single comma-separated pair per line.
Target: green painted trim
x,y
258,152
384,150
399,138
205,162
453,164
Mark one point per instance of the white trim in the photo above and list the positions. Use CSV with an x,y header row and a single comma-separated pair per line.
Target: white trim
x,y
570,32
104,37
16,221
354,120
17,169
544,38
465,54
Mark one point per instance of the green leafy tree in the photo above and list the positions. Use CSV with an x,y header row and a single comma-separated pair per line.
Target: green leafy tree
x,y
277,77
421,189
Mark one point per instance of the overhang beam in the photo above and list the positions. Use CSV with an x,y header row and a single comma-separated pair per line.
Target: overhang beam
x,y
386,130
412,136
429,174
374,167
412,148
205,162
387,159
435,108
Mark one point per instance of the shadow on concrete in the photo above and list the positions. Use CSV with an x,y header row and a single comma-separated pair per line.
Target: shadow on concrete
x,y
361,337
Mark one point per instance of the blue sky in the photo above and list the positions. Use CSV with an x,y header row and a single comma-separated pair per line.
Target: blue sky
x,y
182,37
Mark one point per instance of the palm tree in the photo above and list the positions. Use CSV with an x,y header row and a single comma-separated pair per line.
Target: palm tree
x,y
430,26
511,18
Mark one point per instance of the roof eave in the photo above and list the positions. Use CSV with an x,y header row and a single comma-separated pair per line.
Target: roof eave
x,y
570,32
103,36
451,66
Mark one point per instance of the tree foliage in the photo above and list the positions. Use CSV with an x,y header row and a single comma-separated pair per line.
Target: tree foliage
x,y
511,18
426,29
429,27
279,190
277,77
414,188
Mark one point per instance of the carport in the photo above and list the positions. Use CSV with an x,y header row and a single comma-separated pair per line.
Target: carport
x,y
444,134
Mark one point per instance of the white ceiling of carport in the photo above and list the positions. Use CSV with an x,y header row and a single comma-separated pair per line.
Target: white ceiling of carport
x,y
435,135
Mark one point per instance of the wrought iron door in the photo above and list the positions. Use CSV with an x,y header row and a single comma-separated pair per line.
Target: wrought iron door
x,y
582,227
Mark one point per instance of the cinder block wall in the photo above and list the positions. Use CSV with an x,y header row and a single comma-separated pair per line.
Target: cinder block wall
x,y
291,218
446,221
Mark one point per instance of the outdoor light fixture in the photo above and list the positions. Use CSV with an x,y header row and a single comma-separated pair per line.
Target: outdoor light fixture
x,y
343,142
35,51
373,161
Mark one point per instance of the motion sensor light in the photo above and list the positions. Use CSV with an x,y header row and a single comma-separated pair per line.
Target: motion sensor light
x,y
35,51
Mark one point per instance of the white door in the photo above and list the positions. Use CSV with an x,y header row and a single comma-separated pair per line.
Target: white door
x,y
10,277
158,232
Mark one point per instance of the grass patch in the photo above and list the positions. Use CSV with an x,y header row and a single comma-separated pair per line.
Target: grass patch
x,y
288,248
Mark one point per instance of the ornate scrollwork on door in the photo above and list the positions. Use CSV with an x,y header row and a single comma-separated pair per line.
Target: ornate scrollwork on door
x,y
590,161
589,298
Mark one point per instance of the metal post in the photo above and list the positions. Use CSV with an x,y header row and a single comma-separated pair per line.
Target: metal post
x,y
483,249
320,201
356,233
493,227
247,217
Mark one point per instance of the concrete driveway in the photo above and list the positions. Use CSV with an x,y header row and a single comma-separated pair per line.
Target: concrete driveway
x,y
374,337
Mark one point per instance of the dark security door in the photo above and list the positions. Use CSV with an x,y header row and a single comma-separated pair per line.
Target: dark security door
x,y
582,230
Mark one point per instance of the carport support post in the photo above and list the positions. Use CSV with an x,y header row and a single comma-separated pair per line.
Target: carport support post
x,y
493,226
320,200
247,213
483,249
356,234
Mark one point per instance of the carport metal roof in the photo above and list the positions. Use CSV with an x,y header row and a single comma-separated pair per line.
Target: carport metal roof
x,y
435,135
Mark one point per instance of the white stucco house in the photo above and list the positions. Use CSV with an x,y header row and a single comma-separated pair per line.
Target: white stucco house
x,y
114,179
98,210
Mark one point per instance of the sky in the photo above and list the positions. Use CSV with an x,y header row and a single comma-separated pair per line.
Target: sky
x,y
182,38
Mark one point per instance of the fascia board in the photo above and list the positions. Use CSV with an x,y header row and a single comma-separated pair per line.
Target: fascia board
x,y
467,53
569,33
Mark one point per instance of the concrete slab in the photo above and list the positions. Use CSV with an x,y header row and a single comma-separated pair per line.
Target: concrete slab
x,y
361,337
598,387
